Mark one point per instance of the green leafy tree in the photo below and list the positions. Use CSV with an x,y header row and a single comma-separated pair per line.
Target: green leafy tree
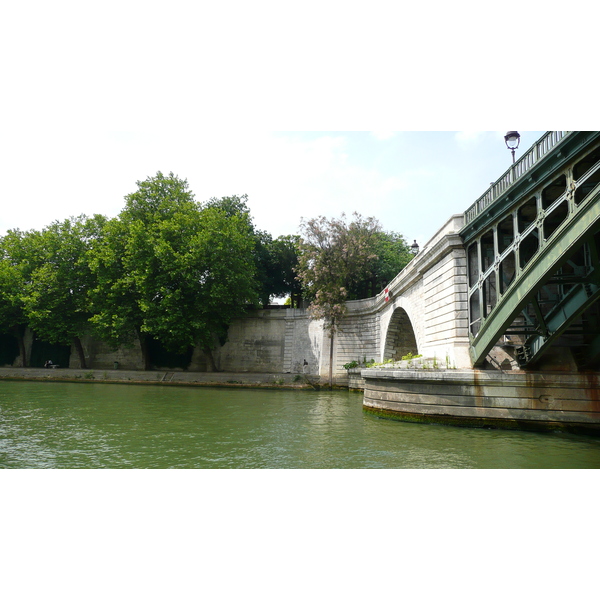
x,y
266,269
173,270
276,263
284,251
56,301
393,254
15,268
204,279
334,257
125,262
232,206
116,316
275,260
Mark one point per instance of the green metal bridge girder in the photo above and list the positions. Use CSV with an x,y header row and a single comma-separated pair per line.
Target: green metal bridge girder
x,y
577,301
552,162
569,236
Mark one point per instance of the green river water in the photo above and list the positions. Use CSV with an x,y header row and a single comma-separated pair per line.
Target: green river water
x,y
92,425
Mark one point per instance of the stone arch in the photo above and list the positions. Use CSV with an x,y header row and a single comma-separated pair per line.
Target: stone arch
x,y
400,337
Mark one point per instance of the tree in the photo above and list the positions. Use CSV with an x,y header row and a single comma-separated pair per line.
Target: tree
x,y
275,260
173,270
13,278
393,254
56,302
125,261
204,280
231,206
23,252
284,252
334,257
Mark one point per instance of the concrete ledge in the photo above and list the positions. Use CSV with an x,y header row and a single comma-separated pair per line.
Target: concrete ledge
x,y
567,401
275,380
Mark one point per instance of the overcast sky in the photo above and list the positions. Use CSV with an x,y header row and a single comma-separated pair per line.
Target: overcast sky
x,y
312,112
410,181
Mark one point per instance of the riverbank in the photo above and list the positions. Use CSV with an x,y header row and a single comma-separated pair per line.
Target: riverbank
x,y
256,380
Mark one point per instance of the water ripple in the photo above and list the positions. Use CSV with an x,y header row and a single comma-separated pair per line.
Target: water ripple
x,y
58,425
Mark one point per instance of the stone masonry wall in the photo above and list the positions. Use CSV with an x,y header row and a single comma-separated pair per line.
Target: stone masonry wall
x,y
445,309
264,341
431,293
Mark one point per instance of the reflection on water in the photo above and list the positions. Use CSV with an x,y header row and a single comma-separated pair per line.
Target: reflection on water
x,y
64,425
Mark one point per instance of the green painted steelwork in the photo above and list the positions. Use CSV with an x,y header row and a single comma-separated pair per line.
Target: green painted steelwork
x,y
533,260
533,156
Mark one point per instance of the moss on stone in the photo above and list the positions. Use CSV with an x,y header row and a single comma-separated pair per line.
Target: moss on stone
x,y
486,423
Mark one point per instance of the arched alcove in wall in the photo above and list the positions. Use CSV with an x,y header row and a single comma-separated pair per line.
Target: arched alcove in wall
x,y
400,337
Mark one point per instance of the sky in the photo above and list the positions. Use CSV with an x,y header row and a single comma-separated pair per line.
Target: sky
x,y
315,112
410,181
394,110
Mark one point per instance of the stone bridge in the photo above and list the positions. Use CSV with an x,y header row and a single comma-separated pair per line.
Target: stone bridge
x,y
513,283
501,286
423,310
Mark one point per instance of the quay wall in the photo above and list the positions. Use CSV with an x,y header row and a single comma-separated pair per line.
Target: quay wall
x,y
421,311
474,398
277,340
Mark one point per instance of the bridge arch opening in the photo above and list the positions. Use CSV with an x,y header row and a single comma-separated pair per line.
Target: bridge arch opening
x,y
400,338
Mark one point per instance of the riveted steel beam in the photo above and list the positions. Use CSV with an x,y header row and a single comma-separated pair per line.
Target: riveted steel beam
x,y
569,236
504,197
574,303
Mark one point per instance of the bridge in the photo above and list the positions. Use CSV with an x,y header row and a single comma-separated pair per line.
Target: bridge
x,y
507,293
532,254
502,303
511,283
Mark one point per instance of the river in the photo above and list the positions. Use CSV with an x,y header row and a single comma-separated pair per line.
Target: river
x,y
93,426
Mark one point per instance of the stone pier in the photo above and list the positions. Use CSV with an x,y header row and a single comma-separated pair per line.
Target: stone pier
x,y
531,401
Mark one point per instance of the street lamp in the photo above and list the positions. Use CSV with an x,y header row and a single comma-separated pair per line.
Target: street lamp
x,y
512,139
415,248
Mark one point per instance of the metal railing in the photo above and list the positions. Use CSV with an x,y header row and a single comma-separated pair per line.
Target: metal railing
x,y
546,143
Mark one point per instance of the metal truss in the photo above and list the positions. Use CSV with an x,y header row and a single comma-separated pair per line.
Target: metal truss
x,y
537,286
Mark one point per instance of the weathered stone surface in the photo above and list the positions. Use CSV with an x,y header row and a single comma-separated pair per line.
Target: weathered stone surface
x,y
426,314
551,399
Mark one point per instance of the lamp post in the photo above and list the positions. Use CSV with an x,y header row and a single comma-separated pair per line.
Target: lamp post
x,y
512,139
414,248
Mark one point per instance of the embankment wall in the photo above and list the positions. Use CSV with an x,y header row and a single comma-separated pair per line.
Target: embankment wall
x,y
535,401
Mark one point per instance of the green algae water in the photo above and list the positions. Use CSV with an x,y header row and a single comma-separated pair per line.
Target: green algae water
x,y
93,426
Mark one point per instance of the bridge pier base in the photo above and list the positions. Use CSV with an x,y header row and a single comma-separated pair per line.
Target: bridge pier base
x,y
473,398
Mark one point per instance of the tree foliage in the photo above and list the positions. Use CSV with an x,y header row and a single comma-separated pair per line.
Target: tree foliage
x,y
335,258
393,254
171,269
14,276
285,257
57,303
275,259
341,261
